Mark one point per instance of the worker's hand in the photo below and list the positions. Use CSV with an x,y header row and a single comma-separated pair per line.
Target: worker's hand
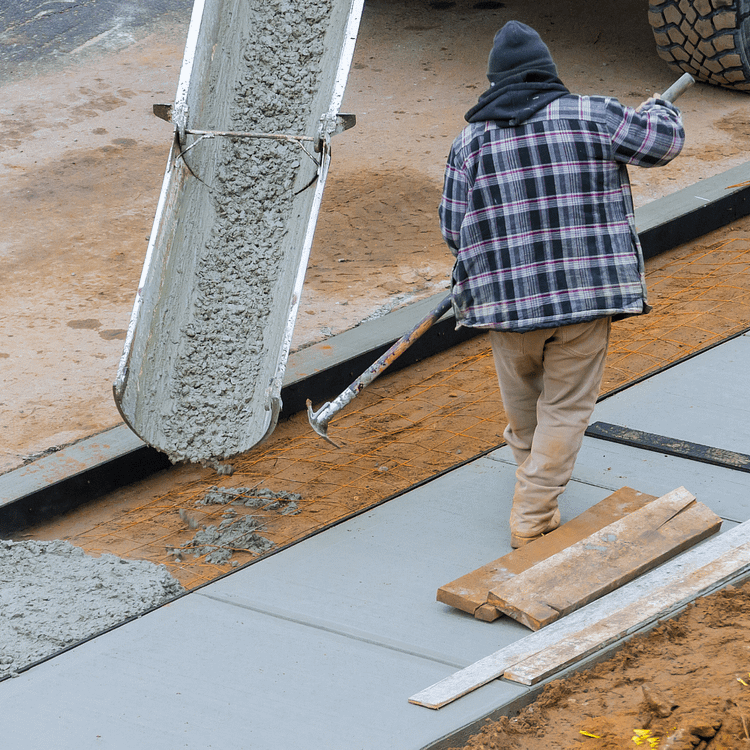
x,y
650,100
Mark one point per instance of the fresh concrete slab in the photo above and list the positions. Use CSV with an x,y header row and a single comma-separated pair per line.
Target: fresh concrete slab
x,y
702,400
378,574
324,641
201,674
610,466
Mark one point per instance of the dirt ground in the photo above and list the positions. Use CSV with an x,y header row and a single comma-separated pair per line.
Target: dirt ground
x,y
81,163
82,158
684,685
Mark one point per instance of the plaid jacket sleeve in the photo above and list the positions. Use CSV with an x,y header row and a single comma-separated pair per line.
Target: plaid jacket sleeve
x,y
649,138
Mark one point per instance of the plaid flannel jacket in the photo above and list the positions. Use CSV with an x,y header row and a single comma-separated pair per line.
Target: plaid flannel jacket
x,y
540,216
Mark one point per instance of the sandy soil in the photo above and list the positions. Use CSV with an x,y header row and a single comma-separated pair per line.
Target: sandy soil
x,y
684,685
82,157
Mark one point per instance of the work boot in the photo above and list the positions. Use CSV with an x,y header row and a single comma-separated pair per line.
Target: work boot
x,y
519,539
535,512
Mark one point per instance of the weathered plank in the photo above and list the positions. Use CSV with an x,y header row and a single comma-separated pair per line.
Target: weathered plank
x,y
645,611
605,560
469,593
495,665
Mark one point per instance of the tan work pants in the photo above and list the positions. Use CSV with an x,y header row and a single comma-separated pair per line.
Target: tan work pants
x,y
549,382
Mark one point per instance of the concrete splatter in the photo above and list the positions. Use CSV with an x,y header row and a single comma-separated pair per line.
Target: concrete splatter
x,y
285,503
53,595
233,534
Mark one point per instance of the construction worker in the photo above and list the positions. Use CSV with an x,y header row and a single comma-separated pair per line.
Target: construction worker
x,y
537,211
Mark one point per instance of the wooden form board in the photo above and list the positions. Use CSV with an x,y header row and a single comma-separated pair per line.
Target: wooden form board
x,y
469,593
701,565
605,560
597,636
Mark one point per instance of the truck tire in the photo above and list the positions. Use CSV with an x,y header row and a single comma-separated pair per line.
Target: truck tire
x,y
707,38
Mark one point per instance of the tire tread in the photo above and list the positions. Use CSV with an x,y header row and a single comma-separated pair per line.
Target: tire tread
x,y
705,38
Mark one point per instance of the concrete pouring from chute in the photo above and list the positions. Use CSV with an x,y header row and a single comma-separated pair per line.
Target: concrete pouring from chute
x,y
256,106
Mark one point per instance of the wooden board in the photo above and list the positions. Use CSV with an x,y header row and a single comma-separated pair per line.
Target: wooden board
x,y
498,663
648,609
605,560
469,593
